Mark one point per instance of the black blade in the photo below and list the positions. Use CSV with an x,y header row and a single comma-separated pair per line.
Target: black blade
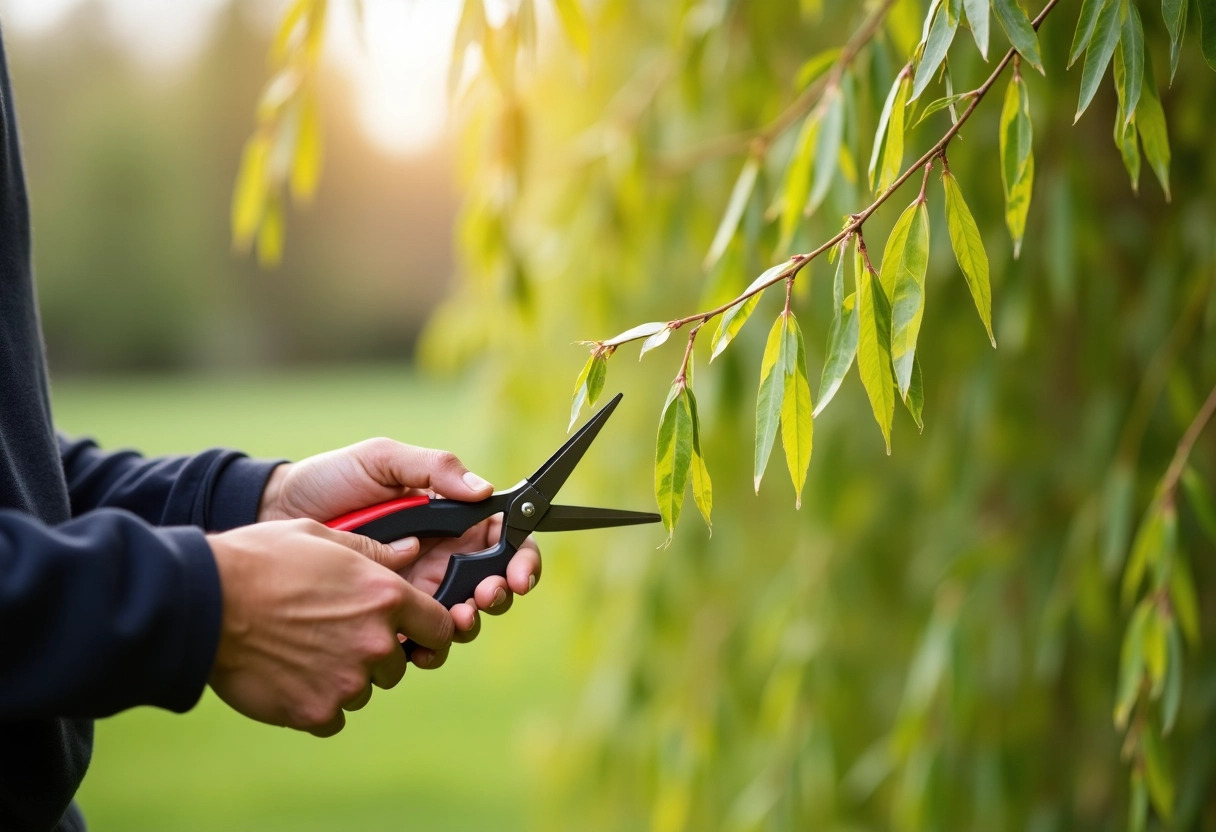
x,y
551,476
574,518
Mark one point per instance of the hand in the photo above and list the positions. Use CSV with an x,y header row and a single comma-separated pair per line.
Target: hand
x,y
310,622
331,484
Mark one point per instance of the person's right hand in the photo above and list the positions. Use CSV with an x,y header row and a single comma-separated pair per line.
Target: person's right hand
x,y
310,622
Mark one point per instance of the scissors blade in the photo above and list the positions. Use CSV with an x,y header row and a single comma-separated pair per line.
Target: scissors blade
x,y
574,518
551,476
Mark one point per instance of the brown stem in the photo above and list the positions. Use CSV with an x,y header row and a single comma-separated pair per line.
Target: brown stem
x,y
1185,445
924,182
763,136
682,376
798,261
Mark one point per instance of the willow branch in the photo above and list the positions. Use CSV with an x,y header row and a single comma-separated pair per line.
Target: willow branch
x,y
799,261
1185,445
763,136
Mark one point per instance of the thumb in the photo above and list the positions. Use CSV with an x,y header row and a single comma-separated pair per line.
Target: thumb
x,y
395,556
441,471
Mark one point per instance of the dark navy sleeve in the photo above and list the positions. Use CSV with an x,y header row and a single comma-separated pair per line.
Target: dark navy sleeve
x,y
103,613
215,490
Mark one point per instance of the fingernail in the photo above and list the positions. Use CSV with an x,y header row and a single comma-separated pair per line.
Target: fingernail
x,y
474,482
424,660
499,597
531,582
405,546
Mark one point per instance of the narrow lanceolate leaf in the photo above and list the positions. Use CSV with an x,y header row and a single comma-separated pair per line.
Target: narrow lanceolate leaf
x,y
1147,549
977,17
1131,664
796,422
1131,50
574,24
673,456
827,149
589,384
1150,121
739,196
1098,55
309,150
915,400
733,319
1171,696
941,104
1017,159
893,147
1125,127
941,35
702,488
772,391
1157,774
1174,12
656,340
798,179
1085,29
842,340
874,350
249,194
1019,31
884,120
904,263
969,250
640,331
1207,21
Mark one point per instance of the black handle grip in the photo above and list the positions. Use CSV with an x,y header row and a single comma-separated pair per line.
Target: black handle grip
x,y
438,518
465,572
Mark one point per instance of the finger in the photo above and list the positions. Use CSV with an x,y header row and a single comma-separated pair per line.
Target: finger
x,y
387,672
493,595
523,571
468,622
330,728
398,464
428,659
359,701
423,619
397,556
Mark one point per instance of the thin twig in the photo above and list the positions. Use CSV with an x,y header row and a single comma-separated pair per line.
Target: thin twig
x,y
1185,445
762,137
799,261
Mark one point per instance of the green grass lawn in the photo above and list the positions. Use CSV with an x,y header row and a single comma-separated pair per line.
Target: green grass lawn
x,y
458,748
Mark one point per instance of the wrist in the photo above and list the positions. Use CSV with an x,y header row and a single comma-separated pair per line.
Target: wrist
x,y
270,505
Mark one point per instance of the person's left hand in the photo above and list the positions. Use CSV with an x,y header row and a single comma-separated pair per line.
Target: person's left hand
x,y
331,484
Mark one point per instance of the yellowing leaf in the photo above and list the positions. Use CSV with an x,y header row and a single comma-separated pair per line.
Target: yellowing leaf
x,y
889,137
673,456
1017,159
904,264
915,400
874,351
842,340
306,161
590,383
573,22
768,400
271,233
796,423
969,250
739,196
734,318
249,194
798,180
702,488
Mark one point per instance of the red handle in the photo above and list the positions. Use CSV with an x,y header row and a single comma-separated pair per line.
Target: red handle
x,y
349,522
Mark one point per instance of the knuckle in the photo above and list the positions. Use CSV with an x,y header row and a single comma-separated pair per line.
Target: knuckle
x,y
387,591
445,459
350,685
313,714
379,645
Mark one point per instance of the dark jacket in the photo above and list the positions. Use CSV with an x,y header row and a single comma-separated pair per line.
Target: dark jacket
x,y
109,596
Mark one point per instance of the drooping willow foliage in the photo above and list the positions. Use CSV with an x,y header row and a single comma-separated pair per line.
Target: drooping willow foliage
x,y
1005,623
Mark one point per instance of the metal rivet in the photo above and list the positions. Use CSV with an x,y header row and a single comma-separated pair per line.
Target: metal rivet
x,y
527,509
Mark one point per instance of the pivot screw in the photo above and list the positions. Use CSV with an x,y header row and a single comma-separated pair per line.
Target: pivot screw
x,y
527,509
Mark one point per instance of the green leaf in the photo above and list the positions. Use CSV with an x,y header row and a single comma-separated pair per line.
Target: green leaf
x,y
589,384
772,392
1157,773
893,146
969,250
1171,696
1200,500
941,104
1125,130
941,35
656,340
1146,549
573,23
1174,12
1019,31
977,17
884,120
827,149
734,318
842,340
1086,24
915,400
798,179
874,350
1183,599
1154,652
1017,159
1207,28
702,488
735,206
1117,497
673,456
1098,55
796,423
1131,664
1150,122
904,264
640,331
1131,49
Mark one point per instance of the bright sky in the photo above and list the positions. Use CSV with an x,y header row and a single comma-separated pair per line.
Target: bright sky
x,y
399,78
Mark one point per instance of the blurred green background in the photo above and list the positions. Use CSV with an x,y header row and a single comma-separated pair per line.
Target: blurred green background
x,y
931,643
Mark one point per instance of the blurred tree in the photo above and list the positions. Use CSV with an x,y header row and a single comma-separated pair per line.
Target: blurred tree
x,y
974,632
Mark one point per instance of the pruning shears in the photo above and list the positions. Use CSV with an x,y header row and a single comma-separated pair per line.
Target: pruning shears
x,y
527,507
